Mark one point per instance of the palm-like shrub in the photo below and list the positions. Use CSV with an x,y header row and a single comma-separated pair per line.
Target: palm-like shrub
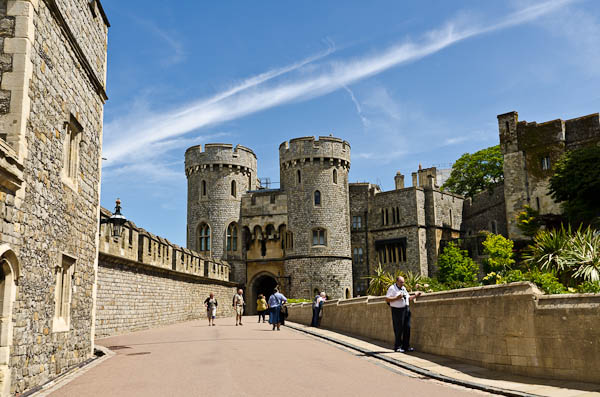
x,y
582,255
548,249
379,282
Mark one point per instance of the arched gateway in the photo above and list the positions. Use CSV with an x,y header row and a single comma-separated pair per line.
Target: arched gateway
x,y
262,283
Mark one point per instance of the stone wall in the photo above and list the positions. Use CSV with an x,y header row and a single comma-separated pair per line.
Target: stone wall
x,y
134,296
480,211
57,55
512,328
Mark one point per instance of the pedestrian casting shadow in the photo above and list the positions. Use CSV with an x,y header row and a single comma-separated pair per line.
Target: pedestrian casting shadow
x,y
473,370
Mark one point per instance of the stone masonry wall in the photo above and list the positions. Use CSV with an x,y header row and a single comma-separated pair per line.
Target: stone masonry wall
x,y
60,217
511,328
482,209
132,296
334,276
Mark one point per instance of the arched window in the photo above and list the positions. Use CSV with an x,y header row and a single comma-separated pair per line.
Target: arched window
x,y
298,177
335,176
204,237
232,237
204,188
317,197
319,237
360,255
233,189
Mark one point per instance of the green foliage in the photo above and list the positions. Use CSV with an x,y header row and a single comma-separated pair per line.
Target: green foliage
x,y
379,282
547,250
528,221
546,281
429,284
298,300
588,287
455,266
576,184
492,278
473,173
572,256
499,251
582,255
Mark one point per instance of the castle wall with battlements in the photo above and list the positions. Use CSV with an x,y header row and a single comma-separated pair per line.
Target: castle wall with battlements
x,y
530,151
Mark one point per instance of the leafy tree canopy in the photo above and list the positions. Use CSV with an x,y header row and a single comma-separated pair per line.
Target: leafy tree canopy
x,y
576,184
473,173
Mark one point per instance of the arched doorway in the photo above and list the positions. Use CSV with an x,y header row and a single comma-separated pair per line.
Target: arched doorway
x,y
9,274
263,283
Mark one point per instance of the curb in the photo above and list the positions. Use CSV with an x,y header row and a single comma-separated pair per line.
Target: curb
x,y
419,370
56,383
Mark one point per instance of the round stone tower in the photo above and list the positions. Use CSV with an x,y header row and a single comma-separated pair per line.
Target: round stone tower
x,y
314,175
218,176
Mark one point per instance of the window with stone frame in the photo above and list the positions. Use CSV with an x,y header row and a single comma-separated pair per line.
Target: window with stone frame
x,y
62,294
335,177
319,237
203,188
232,237
317,198
233,189
204,238
546,164
298,177
356,222
71,149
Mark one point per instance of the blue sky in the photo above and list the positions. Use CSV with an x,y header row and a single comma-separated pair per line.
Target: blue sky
x,y
404,82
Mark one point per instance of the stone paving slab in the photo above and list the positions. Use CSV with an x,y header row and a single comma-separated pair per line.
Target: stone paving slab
x,y
444,366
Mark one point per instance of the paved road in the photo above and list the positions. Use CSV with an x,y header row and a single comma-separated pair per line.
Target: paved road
x,y
192,359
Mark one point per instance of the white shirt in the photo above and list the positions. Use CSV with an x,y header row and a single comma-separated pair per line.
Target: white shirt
x,y
393,292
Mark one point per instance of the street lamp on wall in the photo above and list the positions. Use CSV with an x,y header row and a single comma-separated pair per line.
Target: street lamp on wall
x,y
116,220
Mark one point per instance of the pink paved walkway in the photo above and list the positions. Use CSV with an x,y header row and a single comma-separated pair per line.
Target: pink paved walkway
x,y
192,359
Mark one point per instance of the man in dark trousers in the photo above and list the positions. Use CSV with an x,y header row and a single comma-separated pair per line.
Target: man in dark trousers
x,y
399,300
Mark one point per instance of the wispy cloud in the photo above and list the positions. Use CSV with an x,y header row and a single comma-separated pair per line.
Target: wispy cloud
x,y
176,49
254,95
358,108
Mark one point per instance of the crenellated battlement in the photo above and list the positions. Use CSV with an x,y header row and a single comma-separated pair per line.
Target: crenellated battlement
x,y
308,149
139,245
217,156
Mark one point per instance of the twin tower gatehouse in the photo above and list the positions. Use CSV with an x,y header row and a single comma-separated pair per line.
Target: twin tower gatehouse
x,y
297,236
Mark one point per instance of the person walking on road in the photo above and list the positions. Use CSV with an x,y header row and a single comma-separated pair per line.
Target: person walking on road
x,y
399,300
211,308
275,302
261,307
238,305
317,307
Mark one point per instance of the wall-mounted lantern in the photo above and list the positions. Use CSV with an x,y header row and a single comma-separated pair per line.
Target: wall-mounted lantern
x,y
116,220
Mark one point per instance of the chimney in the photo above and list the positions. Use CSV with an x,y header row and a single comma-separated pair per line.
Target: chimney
x,y
414,179
399,180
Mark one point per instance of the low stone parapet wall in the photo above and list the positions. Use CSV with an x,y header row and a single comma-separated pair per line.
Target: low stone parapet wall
x,y
133,296
512,328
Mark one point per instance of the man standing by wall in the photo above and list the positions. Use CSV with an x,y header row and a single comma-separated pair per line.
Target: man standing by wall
x,y
238,305
399,300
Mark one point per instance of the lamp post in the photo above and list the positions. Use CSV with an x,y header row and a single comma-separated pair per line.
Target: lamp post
x,y
116,220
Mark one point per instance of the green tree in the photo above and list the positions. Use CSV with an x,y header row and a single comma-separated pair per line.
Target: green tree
x,y
576,184
499,251
454,265
473,173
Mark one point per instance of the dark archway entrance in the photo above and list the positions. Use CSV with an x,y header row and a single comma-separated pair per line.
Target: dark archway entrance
x,y
262,284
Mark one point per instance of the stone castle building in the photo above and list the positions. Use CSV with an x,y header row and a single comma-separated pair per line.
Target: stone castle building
x,y
318,232
297,236
52,93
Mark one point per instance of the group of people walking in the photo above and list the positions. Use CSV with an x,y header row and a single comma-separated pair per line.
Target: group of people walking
x,y
275,306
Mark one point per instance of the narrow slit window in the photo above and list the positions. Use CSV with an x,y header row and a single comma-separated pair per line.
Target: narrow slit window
x,y
317,198
335,177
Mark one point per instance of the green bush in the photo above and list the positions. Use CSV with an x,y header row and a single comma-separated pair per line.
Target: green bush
x,y
455,266
500,253
428,284
588,287
528,221
547,282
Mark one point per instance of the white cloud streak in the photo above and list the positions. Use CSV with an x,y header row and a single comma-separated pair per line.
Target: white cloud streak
x,y
253,96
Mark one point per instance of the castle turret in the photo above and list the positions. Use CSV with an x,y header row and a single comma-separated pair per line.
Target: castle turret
x,y
218,176
314,174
